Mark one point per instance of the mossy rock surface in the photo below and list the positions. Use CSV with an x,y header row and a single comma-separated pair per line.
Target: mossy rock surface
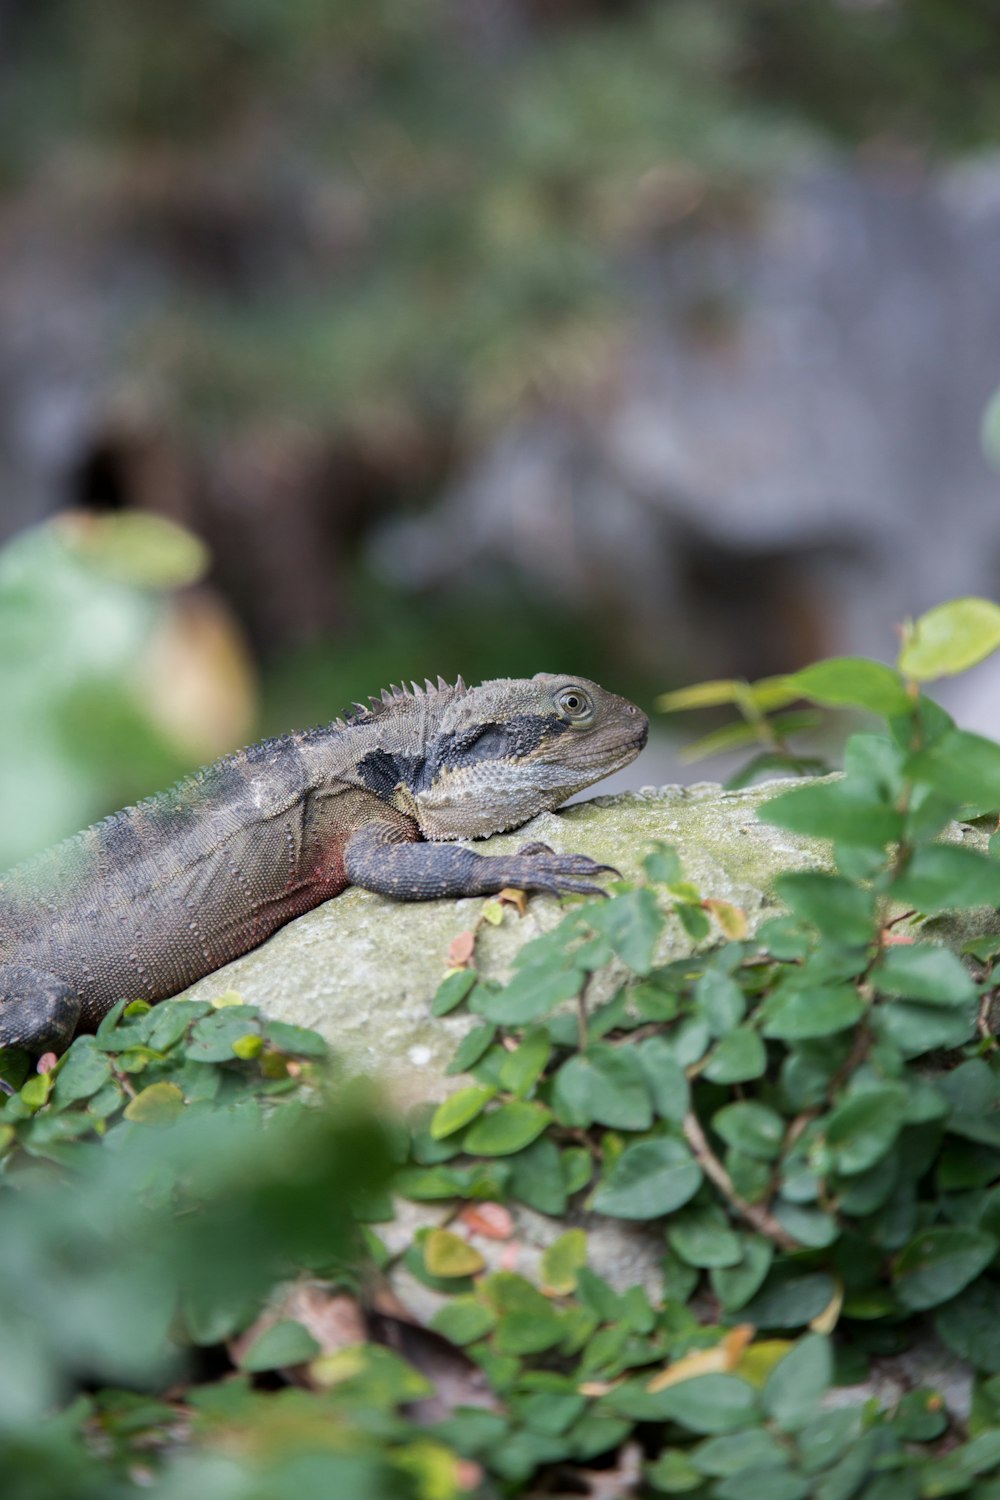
x,y
363,969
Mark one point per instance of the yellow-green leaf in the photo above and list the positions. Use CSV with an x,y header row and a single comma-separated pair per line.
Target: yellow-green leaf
x,y
729,737
951,638
156,1105
702,695
37,1089
562,1260
458,1109
249,1046
447,1254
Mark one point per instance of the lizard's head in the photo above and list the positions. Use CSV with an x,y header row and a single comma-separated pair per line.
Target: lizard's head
x,y
507,750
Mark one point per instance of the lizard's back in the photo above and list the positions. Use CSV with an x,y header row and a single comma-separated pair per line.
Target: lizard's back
x,y
146,901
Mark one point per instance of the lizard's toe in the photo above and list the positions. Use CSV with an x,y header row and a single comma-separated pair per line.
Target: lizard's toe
x,y
544,870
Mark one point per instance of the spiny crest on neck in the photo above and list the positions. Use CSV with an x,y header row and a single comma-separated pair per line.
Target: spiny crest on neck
x,y
391,697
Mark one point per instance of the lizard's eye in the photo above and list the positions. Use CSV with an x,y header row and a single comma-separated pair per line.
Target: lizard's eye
x,y
575,705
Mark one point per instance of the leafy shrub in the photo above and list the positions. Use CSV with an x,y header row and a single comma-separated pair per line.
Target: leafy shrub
x,y
808,1115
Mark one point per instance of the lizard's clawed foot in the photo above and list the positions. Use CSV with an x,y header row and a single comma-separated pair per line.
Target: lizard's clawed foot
x,y
559,874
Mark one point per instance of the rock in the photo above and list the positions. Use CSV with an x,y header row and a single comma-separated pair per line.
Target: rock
x,y
363,970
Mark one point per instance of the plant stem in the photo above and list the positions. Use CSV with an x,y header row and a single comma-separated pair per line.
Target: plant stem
x,y
760,1218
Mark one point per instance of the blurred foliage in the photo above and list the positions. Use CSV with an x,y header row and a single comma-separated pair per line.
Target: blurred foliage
x,y
427,208
90,721
921,73
501,626
416,209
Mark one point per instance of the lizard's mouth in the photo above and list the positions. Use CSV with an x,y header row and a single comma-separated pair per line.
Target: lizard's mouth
x,y
616,746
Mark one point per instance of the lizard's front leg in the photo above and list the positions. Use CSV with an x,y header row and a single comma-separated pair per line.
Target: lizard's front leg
x,y
380,858
38,1012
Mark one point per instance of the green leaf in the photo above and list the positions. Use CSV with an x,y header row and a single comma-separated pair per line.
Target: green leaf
x,y
528,1323
838,810
751,1177
709,1403
750,1127
673,1472
916,1029
606,1084
951,638
799,1014
283,1344
632,924
968,1324
720,1001
522,1068
531,994
156,1105
562,1260
538,1179
463,1320
459,1109
694,920
662,864
82,1071
926,973
826,1437
790,1298
735,1285
665,1079
768,1483
853,682
507,1129
738,1452
811,1227
703,1237
836,907
941,877
212,1038
939,1263
650,1178
863,1127
300,1041
737,1058
452,990
474,1045
962,766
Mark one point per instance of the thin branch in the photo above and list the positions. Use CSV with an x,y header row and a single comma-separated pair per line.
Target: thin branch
x,y
581,1017
760,1218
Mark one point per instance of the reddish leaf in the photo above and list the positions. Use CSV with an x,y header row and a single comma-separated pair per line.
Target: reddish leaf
x,y
461,950
490,1220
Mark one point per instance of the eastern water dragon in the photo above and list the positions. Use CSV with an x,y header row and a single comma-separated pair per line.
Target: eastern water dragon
x,y
150,899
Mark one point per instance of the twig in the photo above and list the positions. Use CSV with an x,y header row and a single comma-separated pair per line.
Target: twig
x,y
760,1218
581,1017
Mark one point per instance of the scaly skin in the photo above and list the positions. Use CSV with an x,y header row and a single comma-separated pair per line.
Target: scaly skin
x,y
149,900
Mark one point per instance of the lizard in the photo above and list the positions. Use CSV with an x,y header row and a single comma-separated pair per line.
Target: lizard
x,y
151,898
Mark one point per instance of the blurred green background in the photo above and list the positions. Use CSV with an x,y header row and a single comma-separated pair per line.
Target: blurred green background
x,y
358,303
